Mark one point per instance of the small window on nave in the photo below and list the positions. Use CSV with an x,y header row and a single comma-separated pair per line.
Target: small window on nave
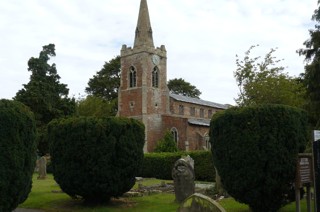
x,y
155,77
133,77
181,109
192,111
201,112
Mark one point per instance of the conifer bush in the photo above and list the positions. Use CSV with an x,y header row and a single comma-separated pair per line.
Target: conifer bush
x,y
166,144
17,153
255,152
96,158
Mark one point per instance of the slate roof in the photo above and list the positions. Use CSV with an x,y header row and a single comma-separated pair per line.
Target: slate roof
x,y
201,122
198,101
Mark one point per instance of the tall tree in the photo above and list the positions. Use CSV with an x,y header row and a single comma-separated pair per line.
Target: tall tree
x,y
96,106
312,69
106,82
263,81
44,94
181,87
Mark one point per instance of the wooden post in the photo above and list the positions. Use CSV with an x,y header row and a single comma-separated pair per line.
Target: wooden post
x,y
298,200
308,198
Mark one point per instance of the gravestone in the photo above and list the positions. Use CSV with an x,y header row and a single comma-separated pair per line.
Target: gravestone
x,y
42,168
183,178
199,202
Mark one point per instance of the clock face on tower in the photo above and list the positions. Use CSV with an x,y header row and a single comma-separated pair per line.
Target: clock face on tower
x,y
155,59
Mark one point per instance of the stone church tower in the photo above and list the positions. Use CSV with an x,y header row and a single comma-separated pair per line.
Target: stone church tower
x,y
143,92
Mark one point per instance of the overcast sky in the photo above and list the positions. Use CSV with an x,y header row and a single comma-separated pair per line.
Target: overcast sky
x,y
202,38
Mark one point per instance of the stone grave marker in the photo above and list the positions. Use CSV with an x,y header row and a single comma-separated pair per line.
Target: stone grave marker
x,y
199,202
183,178
42,168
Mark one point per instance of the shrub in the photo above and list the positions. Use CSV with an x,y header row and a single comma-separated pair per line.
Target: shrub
x,y
17,153
255,151
167,144
159,165
96,158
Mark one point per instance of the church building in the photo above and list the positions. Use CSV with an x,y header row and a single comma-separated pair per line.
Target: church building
x,y
144,95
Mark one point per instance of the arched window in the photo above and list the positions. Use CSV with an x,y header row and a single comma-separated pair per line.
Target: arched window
x,y
155,77
132,77
174,133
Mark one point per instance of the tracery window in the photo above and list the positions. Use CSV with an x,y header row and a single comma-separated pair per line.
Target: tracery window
x,y
133,77
174,133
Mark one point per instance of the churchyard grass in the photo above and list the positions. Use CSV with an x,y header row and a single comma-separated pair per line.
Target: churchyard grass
x,y
230,205
45,195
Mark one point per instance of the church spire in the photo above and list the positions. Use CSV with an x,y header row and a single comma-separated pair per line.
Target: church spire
x,y
143,31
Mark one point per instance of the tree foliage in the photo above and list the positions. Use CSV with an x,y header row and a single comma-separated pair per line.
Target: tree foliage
x,y
17,153
96,158
312,70
106,82
96,106
166,144
264,82
255,152
181,87
44,94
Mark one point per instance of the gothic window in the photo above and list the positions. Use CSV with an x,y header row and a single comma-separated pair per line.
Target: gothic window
x,y
192,111
209,113
155,77
201,112
181,109
133,77
174,133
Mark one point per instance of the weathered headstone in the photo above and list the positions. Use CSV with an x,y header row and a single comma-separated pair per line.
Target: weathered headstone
x,y
183,178
42,168
199,202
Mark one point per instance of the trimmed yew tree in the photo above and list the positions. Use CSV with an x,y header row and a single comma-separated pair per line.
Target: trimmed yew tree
x,y
17,153
255,152
96,158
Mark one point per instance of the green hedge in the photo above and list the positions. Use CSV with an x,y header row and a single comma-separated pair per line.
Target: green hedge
x,y
96,158
255,151
159,165
17,153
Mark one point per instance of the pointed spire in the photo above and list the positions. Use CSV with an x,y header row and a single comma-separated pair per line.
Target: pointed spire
x,y
143,31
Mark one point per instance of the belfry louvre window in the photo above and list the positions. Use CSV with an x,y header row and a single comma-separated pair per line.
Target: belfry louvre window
x,y
133,77
155,77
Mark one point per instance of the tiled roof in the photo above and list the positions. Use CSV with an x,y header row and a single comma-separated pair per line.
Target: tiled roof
x,y
201,122
198,101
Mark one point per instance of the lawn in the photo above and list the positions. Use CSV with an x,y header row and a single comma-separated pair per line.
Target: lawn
x,y
46,195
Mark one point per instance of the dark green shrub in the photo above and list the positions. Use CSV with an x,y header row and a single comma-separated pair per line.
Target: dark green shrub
x,y
96,158
17,153
255,151
159,165
167,144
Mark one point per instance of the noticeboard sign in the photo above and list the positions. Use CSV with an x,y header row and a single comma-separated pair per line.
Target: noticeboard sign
x,y
304,173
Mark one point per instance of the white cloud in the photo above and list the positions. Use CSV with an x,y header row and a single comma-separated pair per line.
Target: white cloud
x,y
202,37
